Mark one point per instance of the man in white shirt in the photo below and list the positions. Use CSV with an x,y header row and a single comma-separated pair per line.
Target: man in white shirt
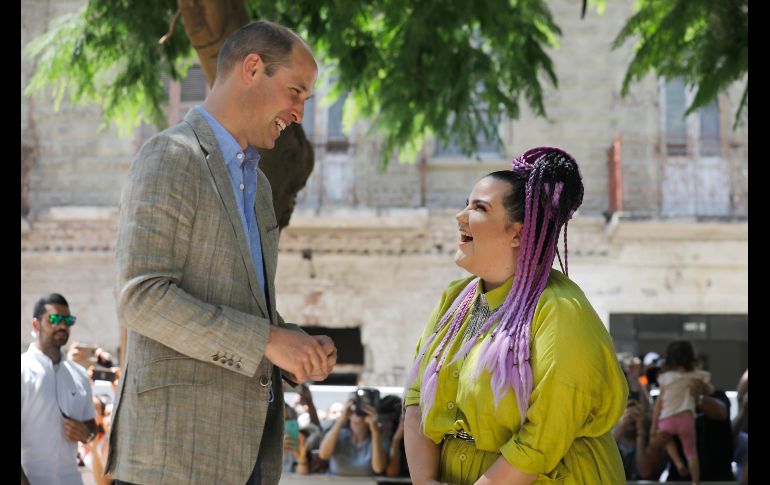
x,y
56,406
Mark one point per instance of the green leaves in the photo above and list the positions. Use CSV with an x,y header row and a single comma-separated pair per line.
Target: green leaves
x,y
446,68
441,67
108,53
705,42
411,67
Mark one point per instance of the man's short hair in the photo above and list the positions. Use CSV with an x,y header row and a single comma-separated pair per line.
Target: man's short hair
x,y
271,41
49,299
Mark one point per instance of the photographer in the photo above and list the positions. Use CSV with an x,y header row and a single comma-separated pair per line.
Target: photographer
x,y
357,449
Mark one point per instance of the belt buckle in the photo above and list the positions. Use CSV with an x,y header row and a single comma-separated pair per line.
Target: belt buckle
x,y
463,435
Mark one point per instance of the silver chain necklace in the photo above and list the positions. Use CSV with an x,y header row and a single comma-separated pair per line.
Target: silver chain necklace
x,y
479,316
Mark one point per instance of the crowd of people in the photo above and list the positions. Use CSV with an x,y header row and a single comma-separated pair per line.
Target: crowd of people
x,y
677,425
347,439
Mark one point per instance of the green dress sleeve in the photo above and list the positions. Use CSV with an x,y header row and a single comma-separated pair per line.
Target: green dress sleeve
x,y
579,389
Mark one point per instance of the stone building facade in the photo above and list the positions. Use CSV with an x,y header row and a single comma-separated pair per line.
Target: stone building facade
x,y
660,245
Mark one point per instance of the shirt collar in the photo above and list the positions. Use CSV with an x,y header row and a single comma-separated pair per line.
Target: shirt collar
x,y
42,357
497,297
227,144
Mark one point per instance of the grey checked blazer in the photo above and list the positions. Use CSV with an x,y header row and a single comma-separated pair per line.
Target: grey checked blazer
x,y
192,407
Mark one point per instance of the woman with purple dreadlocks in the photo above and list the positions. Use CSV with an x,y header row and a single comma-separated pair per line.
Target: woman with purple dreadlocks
x,y
515,379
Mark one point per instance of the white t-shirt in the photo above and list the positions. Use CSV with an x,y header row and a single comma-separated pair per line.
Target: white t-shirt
x,y
46,456
677,397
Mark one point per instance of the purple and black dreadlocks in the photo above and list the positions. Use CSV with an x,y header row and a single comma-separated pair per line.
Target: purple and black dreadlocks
x,y
546,189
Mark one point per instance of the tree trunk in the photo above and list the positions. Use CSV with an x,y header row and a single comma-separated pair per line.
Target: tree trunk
x,y
288,165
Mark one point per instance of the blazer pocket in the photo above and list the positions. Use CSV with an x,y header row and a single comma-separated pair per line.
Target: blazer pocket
x,y
177,371
272,231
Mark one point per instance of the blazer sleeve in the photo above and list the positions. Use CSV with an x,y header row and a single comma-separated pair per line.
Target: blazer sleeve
x,y
157,210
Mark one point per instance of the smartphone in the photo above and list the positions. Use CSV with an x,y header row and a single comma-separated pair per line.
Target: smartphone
x,y
291,428
365,395
103,375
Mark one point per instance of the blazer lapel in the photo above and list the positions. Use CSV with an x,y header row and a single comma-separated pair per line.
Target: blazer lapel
x,y
268,233
222,185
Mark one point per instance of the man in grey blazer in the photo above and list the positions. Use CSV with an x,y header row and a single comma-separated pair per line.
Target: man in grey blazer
x,y
200,401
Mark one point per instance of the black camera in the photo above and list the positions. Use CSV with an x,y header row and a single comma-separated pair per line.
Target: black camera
x,y
365,395
103,375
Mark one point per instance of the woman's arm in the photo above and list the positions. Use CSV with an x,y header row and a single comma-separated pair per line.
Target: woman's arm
x,y
326,450
394,456
503,473
656,413
421,452
650,453
379,460
303,460
98,450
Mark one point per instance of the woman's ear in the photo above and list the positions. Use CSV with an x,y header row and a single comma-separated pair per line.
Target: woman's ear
x,y
517,230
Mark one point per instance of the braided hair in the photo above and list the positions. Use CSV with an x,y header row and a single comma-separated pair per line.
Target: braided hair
x,y
546,189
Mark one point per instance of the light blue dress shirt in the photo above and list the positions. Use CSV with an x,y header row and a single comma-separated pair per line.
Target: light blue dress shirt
x,y
242,167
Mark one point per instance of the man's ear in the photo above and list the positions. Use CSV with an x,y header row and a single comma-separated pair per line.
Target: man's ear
x,y
36,324
251,66
517,230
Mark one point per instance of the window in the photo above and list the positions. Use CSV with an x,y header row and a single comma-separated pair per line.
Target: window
x,y
697,135
333,179
695,176
186,94
336,140
676,127
182,96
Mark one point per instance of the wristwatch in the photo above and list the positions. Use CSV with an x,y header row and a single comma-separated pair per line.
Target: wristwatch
x,y
91,436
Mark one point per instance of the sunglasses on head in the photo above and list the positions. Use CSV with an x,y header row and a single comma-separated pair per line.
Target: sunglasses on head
x,y
56,319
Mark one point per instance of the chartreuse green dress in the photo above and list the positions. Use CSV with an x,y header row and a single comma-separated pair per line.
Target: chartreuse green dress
x,y
579,394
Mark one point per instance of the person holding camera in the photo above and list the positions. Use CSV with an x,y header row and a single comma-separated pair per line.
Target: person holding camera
x,y
515,378
354,445
56,406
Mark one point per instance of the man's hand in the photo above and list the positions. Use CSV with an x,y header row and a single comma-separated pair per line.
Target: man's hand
x,y
76,430
330,350
305,357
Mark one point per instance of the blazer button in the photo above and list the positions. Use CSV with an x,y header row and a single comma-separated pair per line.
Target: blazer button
x,y
237,365
215,357
230,362
264,381
223,360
